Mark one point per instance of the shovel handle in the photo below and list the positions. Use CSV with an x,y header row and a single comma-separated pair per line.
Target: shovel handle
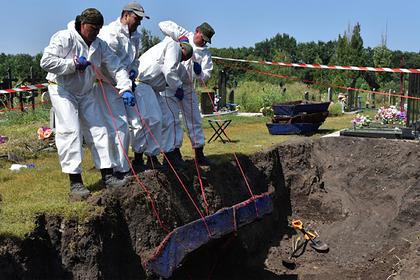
x,y
297,224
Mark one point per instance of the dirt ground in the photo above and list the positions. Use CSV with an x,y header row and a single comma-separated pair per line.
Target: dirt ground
x,y
360,195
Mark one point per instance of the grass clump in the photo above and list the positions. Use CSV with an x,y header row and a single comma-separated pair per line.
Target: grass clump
x,y
28,192
21,130
24,118
335,109
252,96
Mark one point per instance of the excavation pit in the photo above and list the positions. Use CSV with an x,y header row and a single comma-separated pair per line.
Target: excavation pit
x,y
361,196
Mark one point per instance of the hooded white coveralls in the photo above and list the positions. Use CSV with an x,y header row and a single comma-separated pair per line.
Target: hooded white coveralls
x,y
189,105
72,97
170,109
157,70
126,47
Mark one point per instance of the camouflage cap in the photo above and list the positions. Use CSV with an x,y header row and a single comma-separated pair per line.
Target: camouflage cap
x,y
207,31
91,16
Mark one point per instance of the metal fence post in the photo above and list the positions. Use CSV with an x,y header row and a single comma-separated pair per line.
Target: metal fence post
x,y
330,94
31,72
373,98
9,80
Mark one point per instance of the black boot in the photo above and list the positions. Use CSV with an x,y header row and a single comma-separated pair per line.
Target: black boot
x,y
78,191
153,163
138,159
138,163
124,175
173,159
111,181
178,154
201,159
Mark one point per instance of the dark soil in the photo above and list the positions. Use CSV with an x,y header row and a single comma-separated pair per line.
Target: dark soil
x,y
360,195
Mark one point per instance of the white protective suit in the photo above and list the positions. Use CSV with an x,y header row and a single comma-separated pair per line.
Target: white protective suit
x,y
126,47
171,109
157,70
189,105
72,97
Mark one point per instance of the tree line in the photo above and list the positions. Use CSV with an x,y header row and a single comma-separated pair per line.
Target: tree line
x,y
347,49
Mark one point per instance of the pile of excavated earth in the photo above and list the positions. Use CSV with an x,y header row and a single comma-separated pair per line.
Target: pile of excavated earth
x,y
359,196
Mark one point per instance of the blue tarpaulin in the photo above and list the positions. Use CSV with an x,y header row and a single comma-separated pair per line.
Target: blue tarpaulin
x,y
189,237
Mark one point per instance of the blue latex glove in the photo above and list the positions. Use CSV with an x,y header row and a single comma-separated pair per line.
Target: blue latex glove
x,y
179,93
197,68
128,98
132,75
81,63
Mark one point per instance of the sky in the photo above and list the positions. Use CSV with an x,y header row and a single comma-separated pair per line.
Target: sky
x,y
27,26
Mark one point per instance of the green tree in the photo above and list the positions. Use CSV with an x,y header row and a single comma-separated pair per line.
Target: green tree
x,y
382,57
267,49
307,52
147,40
326,51
21,67
38,73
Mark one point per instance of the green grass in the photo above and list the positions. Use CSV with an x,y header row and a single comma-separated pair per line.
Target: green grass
x,y
250,134
21,128
44,189
252,95
23,118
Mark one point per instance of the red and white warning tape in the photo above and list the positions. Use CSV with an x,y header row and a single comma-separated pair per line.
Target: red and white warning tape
x,y
320,66
301,65
24,88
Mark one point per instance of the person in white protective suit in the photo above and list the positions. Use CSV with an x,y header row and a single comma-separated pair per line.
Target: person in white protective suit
x,y
71,60
198,67
157,70
170,119
124,40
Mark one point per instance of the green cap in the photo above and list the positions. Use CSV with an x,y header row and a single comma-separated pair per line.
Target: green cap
x,y
207,31
92,16
188,50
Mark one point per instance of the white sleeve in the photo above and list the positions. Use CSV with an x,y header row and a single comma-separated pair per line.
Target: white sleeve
x,y
170,65
57,58
187,84
136,63
173,30
206,66
115,68
110,37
